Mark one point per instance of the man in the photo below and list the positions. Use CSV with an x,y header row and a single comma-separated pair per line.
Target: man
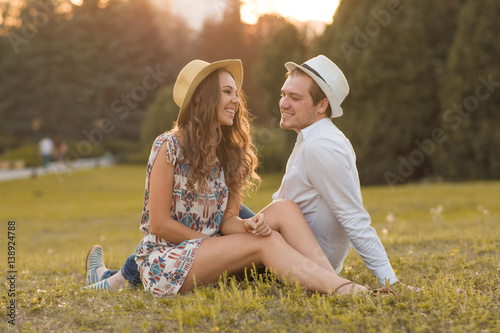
x,y
46,147
321,175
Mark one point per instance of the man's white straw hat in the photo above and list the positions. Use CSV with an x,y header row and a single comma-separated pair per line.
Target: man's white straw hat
x,y
196,71
328,77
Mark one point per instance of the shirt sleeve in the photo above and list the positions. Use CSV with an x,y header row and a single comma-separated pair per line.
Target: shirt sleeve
x,y
332,172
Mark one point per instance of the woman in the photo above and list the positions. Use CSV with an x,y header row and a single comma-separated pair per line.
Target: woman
x,y
194,182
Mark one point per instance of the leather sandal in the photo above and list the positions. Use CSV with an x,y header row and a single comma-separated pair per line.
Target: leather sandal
x,y
345,284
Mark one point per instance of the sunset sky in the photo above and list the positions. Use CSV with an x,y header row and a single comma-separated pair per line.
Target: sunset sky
x,y
310,10
196,11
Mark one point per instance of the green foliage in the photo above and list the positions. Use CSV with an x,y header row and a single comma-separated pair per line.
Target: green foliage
x,y
274,146
31,156
7,142
139,157
389,58
441,237
121,149
215,35
160,117
285,44
76,150
91,66
470,97
410,64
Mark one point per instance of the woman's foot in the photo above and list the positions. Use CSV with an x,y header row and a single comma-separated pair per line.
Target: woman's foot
x,y
99,285
116,281
95,265
350,287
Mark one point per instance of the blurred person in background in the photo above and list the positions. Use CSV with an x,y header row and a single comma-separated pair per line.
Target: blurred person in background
x,y
46,149
60,149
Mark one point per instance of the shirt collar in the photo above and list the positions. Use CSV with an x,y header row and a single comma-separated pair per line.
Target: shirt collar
x,y
314,126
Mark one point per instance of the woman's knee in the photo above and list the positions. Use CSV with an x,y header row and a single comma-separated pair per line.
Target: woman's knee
x,y
270,245
275,239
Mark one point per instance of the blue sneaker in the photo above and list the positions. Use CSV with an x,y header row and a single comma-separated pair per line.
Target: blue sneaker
x,y
94,261
99,285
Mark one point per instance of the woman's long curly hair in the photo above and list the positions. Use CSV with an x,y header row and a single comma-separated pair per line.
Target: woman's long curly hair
x,y
205,139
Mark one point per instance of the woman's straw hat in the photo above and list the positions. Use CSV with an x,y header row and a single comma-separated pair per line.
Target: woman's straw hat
x,y
196,71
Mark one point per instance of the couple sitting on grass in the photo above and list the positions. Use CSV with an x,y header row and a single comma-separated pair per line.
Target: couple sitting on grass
x,y
195,228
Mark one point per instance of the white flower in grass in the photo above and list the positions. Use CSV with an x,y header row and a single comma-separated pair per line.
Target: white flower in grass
x,y
438,210
390,217
436,213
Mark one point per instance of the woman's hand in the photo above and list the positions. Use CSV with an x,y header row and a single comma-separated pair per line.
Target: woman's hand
x,y
257,225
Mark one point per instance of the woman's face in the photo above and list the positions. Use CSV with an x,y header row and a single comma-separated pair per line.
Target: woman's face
x,y
229,101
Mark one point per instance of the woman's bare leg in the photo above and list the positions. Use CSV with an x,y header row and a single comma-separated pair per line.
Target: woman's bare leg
x,y
285,217
234,253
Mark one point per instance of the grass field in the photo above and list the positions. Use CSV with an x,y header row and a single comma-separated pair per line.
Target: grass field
x,y
441,237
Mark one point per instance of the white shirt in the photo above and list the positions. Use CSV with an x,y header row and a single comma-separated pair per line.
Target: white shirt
x,y
46,146
322,178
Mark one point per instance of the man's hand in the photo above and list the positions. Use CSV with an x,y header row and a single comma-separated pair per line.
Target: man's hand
x,y
383,291
257,225
388,291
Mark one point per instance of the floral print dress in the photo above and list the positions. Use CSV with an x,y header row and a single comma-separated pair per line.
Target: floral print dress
x,y
163,265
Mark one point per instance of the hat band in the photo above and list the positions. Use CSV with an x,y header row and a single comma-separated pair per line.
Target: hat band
x,y
306,66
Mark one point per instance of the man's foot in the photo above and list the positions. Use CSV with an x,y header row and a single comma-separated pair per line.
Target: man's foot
x,y
95,265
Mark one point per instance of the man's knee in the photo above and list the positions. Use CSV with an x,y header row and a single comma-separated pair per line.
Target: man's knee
x,y
288,205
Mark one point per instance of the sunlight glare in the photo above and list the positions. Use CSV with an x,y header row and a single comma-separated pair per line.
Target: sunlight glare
x,y
311,10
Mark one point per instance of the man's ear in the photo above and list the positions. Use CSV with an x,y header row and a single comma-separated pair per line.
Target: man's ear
x,y
323,105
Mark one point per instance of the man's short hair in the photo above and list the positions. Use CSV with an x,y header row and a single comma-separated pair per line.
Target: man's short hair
x,y
314,90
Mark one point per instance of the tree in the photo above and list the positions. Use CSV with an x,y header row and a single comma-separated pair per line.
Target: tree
x,y
80,69
470,98
223,39
392,109
160,117
284,43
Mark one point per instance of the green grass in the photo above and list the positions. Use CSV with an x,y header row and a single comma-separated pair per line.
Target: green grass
x,y
441,237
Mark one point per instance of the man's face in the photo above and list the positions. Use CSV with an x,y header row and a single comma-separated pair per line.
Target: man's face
x,y
296,104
